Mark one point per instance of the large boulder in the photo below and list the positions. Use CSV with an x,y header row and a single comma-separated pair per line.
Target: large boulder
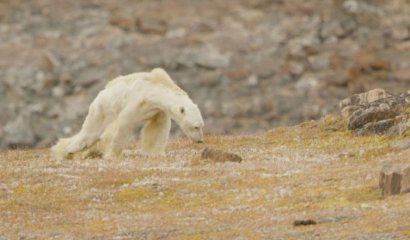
x,y
377,112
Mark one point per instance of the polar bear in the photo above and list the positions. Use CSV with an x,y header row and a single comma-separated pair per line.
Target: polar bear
x,y
148,98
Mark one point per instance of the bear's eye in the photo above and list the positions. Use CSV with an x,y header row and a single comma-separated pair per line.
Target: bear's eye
x,y
182,110
196,128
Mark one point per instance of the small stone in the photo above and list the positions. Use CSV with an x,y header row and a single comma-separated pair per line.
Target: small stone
x,y
65,77
123,22
307,82
394,179
296,68
351,6
367,59
403,74
264,69
207,57
57,92
176,33
401,145
297,223
150,25
253,80
319,62
19,132
400,33
238,73
49,61
220,156
213,59
209,78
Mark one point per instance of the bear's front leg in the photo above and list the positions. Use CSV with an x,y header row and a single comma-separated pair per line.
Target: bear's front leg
x,y
154,135
117,134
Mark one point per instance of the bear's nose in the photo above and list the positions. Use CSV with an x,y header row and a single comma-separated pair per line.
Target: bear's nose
x,y
200,141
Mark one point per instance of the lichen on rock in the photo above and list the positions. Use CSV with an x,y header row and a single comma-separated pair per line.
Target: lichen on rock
x,y
377,112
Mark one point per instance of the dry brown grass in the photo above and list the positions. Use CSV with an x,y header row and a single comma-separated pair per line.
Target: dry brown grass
x,y
316,170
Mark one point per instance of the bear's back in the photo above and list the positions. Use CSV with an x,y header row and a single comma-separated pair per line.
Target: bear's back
x,y
157,77
160,76
127,80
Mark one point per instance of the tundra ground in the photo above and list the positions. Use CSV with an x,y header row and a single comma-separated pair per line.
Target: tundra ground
x,y
316,170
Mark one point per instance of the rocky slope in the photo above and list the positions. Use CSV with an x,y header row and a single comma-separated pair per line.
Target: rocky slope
x,y
249,64
316,173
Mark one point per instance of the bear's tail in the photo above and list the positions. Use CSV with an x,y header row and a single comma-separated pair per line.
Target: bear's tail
x,y
59,150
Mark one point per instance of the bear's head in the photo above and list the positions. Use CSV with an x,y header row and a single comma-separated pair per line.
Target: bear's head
x,y
178,105
187,115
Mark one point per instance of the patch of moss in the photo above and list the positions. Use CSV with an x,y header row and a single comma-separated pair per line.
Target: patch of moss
x,y
329,135
34,191
349,198
135,194
255,182
406,232
324,198
223,234
112,179
96,225
364,194
406,133
192,200
369,154
92,226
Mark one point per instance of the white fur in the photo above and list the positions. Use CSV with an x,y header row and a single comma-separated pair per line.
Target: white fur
x,y
149,98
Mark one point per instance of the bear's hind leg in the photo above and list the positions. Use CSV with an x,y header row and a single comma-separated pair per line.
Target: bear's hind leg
x,y
117,134
92,128
154,135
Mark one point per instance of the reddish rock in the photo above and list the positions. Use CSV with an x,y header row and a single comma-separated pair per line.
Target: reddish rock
x,y
123,22
264,69
238,73
220,156
150,25
335,61
403,74
367,59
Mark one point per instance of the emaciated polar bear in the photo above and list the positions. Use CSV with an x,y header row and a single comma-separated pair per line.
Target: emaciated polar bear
x,y
149,98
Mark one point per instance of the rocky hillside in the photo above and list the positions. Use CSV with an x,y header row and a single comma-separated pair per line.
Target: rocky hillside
x,y
249,64
313,181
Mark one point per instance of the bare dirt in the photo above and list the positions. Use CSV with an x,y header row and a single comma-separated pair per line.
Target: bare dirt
x,y
316,171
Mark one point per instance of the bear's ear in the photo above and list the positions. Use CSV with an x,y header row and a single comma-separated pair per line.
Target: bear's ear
x,y
182,110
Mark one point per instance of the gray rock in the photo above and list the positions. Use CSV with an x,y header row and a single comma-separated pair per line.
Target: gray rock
x,y
212,58
207,57
365,98
19,132
319,62
394,179
151,25
220,156
377,112
405,144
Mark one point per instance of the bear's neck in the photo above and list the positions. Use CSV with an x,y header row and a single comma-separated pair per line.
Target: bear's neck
x,y
166,101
